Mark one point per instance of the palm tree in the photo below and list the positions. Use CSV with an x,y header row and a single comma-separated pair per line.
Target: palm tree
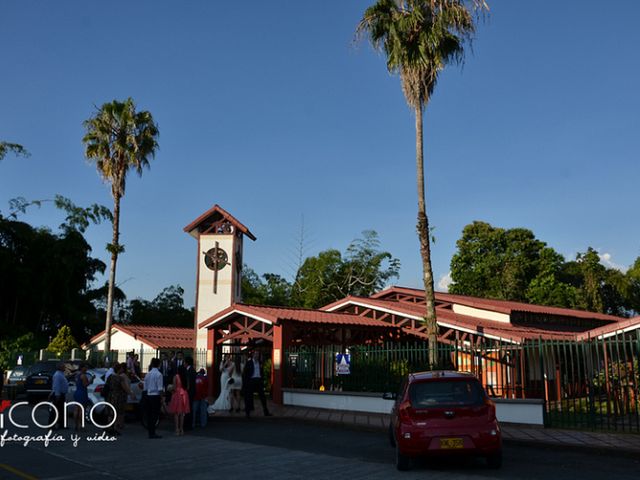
x,y
419,38
6,147
118,139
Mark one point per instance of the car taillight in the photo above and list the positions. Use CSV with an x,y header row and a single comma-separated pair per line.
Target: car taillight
x,y
99,388
491,407
404,413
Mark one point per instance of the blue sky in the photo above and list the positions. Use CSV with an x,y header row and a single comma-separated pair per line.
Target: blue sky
x,y
270,110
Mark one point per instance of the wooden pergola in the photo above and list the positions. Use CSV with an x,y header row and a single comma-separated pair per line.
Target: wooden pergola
x,y
243,325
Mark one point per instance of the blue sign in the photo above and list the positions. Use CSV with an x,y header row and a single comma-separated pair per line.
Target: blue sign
x,y
343,363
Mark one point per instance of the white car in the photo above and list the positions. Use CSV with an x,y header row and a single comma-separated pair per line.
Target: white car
x,y
94,392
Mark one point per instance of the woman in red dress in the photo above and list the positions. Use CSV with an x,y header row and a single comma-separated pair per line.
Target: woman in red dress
x,y
179,404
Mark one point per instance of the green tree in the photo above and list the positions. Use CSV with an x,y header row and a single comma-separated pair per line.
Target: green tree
x,y
63,342
497,263
547,288
11,348
362,270
119,139
419,38
166,309
633,282
318,280
512,264
16,149
270,289
45,281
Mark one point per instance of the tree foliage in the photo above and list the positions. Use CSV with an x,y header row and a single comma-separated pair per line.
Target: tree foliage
x,y
11,347
15,148
63,342
362,270
268,289
512,264
45,281
166,310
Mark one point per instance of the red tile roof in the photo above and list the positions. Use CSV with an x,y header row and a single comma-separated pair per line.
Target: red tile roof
x,y
612,329
155,337
217,210
275,315
500,306
448,318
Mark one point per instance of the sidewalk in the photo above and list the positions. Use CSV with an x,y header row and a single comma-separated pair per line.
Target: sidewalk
x,y
621,443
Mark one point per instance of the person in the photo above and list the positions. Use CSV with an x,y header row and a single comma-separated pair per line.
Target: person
x,y
109,372
189,383
166,369
154,387
223,402
252,382
236,385
119,389
137,370
179,404
199,405
60,387
130,362
178,363
81,396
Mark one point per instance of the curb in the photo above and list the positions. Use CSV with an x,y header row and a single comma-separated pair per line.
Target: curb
x,y
603,450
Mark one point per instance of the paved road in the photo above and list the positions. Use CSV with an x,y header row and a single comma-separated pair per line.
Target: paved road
x,y
278,448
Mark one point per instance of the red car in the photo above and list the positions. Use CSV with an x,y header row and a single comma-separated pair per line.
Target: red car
x,y
444,413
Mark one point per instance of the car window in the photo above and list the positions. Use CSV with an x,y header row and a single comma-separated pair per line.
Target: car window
x,y
442,393
42,368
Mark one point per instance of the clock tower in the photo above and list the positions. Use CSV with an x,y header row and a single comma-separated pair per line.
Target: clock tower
x,y
219,272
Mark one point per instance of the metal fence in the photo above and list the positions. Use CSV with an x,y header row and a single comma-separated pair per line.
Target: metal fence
x,y
591,384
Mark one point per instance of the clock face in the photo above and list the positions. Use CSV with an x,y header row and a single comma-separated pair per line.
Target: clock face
x,y
216,258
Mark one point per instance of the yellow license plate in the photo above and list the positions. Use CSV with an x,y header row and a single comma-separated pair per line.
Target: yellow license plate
x,y
40,382
450,443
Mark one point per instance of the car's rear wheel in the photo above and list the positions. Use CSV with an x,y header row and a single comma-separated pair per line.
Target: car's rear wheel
x,y
403,463
495,460
392,438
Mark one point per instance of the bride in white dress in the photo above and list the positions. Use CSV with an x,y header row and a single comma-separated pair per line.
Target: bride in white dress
x,y
223,402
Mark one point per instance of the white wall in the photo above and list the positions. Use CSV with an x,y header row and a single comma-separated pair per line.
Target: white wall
x,y
481,313
338,401
122,341
509,411
210,303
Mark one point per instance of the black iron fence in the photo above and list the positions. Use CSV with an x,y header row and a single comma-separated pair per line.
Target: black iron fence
x,y
592,384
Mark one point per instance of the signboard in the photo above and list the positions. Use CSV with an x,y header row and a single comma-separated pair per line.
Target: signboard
x,y
343,363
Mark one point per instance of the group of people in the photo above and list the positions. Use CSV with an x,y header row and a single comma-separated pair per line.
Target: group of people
x,y
236,380
172,385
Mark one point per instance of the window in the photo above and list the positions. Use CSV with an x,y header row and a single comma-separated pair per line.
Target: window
x,y
446,393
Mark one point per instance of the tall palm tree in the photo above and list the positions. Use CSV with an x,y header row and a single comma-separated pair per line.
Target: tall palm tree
x,y
118,139
419,38
6,147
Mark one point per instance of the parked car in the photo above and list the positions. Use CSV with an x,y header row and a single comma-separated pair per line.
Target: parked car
x,y
443,413
94,392
38,378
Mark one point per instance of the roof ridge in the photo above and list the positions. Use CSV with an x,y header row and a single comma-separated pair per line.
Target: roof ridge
x,y
282,307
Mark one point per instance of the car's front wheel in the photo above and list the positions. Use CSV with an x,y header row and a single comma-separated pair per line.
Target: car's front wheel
x,y
495,460
403,463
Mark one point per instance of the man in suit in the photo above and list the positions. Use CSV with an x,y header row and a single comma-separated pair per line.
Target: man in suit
x,y
190,386
252,382
166,369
